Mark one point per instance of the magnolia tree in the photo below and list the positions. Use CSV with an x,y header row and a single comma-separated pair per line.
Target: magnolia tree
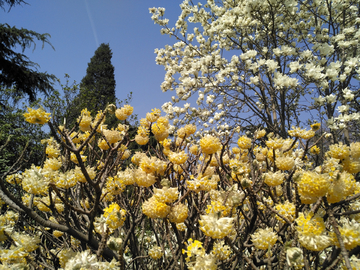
x,y
278,63
182,203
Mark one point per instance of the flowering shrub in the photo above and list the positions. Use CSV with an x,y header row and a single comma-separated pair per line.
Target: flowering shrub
x,y
278,197
265,203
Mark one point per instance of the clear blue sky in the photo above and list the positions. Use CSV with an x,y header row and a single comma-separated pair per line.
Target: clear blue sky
x,y
77,27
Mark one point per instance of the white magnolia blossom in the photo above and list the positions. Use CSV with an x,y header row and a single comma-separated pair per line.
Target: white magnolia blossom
x,y
224,56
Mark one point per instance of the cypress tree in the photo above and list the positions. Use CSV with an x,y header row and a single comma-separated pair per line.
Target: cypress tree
x,y
97,88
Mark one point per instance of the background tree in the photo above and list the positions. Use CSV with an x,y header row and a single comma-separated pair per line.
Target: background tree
x,y
16,69
97,88
273,63
18,137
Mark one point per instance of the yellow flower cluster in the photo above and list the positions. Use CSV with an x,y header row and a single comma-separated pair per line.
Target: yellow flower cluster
x,y
85,120
38,116
124,112
166,195
186,131
244,142
350,234
113,187
155,252
112,136
160,129
178,213
210,144
115,216
221,251
144,179
178,158
193,248
215,227
339,151
126,177
342,186
286,209
312,185
205,183
274,179
80,176
264,238
302,133
155,209
142,136
153,116
285,163
34,181
311,231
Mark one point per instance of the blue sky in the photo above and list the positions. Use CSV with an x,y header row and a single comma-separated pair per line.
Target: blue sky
x,y
77,27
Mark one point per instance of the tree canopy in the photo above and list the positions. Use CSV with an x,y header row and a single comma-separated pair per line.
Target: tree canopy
x,y
97,88
278,63
16,69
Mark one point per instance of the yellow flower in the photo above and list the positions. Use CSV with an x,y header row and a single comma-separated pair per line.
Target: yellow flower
x,y
163,120
121,114
80,176
350,234
160,131
193,248
38,116
221,251
312,186
155,209
115,216
341,187
112,136
178,213
355,150
194,150
128,110
141,140
155,252
308,134
210,144
286,209
264,238
315,126
34,181
153,116
186,131
274,179
339,151
166,195
260,133
215,227
178,158
85,120
181,226
351,165
312,233
144,179
244,142
295,131
285,163
315,150
275,143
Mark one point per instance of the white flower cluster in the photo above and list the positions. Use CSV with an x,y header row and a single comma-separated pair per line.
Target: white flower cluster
x,y
235,74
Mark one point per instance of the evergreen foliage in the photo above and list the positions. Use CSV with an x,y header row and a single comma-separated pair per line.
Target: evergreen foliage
x,y
16,69
97,88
